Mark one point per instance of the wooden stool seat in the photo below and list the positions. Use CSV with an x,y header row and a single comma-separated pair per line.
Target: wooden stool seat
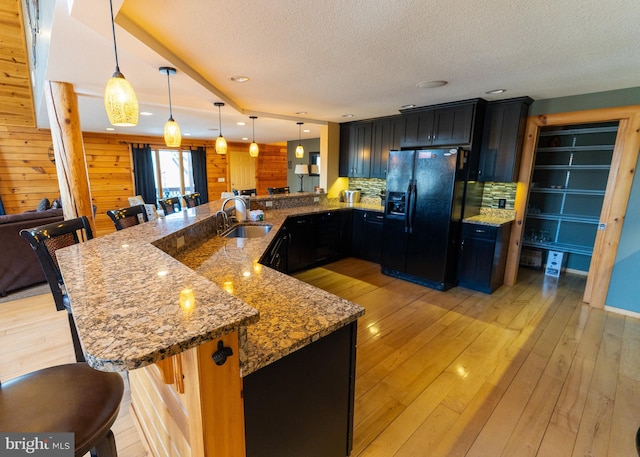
x,y
66,398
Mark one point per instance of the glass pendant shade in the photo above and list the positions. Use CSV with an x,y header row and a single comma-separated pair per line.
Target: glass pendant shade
x,y
253,147
172,135
221,145
299,148
120,102
253,150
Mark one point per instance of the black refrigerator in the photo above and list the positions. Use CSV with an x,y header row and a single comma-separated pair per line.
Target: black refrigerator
x,y
427,197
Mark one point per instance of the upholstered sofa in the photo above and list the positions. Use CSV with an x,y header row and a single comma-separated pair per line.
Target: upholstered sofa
x,y
19,266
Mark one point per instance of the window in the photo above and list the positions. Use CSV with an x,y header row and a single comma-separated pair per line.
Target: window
x,y
173,173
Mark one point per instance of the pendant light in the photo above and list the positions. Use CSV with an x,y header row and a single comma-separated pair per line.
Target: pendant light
x,y
221,143
172,135
299,148
253,148
120,100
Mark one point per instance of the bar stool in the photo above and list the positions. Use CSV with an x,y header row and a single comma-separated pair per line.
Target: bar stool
x,y
128,217
45,241
72,398
192,200
170,205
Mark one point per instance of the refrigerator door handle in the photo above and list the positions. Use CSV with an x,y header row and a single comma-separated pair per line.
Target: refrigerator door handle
x,y
414,199
407,210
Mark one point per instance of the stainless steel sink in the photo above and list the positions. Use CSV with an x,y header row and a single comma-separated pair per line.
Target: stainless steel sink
x,y
247,231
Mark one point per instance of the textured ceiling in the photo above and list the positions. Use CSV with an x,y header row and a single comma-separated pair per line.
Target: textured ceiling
x,y
329,58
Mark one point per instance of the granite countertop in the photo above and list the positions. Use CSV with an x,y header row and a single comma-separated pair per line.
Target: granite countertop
x,y
492,216
125,292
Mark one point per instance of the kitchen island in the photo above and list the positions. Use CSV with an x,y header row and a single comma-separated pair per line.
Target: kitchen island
x,y
159,299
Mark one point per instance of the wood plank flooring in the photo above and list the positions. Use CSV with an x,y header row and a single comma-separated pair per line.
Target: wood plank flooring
x,y
527,371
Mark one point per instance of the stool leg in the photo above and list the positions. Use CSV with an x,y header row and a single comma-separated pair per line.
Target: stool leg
x,y
77,348
106,447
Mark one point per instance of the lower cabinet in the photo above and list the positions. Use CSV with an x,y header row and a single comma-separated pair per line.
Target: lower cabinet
x,y
301,242
366,236
302,404
483,256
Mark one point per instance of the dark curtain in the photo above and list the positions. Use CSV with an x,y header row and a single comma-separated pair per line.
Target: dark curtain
x,y
199,164
143,172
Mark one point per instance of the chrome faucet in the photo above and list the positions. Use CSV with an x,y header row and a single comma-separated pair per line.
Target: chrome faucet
x,y
222,221
241,213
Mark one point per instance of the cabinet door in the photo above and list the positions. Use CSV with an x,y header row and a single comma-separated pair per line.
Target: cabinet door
x,y
374,237
358,234
418,129
360,153
453,126
502,140
387,134
327,245
346,130
475,264
301,252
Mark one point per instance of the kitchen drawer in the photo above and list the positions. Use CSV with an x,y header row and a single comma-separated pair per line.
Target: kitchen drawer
x,y
479,231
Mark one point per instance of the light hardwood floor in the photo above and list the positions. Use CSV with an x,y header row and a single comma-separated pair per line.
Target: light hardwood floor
x,y
527,371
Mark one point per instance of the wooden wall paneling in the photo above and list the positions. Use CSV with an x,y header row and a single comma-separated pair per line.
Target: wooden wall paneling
x,y
16,100
271,169
616,197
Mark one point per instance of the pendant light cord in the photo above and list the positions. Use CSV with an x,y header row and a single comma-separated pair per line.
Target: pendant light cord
x,y
113,31
220,119
169,88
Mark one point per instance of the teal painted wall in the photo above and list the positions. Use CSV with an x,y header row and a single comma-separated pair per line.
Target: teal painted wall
x,y
293,180
609,99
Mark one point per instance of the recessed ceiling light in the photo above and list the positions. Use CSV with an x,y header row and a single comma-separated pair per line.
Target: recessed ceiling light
x,y
240,78
111,129
186,134
495,91
431,84
145,113
301,112
244,138
241,123
306,130
410,105
347,115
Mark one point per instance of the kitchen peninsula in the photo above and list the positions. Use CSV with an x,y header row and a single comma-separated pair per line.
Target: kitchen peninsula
x,y
160,298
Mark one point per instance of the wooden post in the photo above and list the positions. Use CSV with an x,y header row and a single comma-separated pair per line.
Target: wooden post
x,y
68,148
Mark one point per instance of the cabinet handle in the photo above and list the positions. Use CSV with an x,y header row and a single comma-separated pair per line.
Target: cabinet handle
x,y
480,231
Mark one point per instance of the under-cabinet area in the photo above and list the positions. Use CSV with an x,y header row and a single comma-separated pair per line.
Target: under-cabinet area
x,y
567,190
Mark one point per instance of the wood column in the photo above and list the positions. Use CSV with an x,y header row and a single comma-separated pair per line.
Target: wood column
x,y
68,148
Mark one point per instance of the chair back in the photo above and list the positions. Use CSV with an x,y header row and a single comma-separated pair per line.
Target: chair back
x,y
192,200
170,205
128,217
247,192
278,190
47,239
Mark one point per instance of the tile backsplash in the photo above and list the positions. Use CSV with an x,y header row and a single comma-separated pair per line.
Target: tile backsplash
x,y
494,191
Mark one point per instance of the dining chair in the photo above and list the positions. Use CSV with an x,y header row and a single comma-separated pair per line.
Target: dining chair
x,y
45,241
72,398
192,200
128,217
170,205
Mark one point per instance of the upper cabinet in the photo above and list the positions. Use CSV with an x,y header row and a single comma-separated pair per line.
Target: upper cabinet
x,y
365,145
502,139
446,126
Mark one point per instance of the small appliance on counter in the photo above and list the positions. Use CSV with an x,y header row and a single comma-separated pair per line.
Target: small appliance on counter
x,y
351,196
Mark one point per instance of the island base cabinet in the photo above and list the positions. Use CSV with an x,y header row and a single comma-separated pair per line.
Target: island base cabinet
x,y
302,404
188,406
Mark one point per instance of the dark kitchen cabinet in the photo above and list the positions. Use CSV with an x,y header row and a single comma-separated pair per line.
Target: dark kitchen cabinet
x,y
301,252
387,134
483,256
277,254
355,149
302,404
366,240
502,139
328,234
452,125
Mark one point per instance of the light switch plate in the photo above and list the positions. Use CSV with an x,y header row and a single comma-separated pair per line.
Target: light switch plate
x,y
268,204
